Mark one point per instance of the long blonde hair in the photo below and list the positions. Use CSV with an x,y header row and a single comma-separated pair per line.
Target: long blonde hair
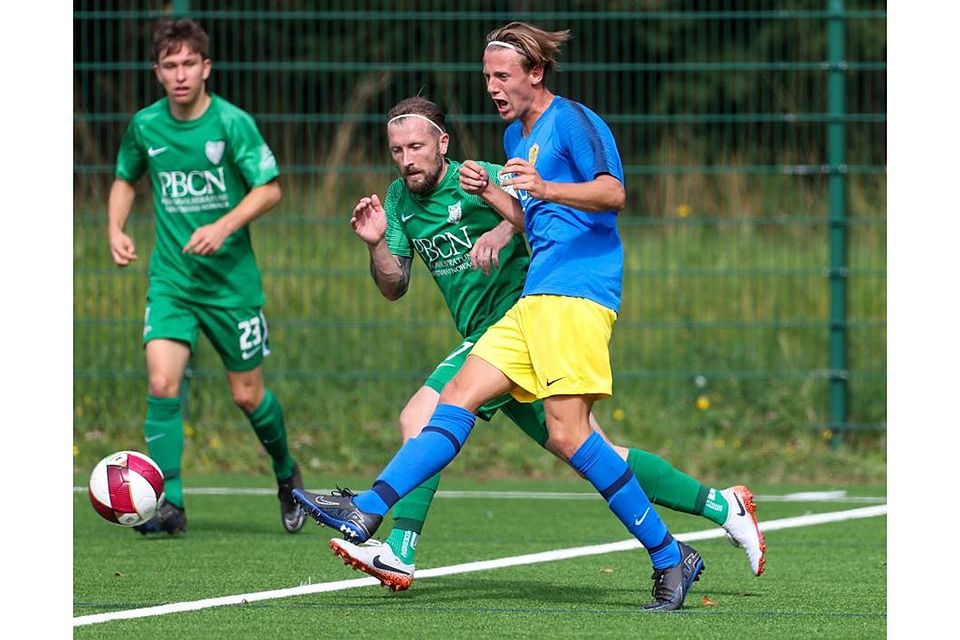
x,y
539,47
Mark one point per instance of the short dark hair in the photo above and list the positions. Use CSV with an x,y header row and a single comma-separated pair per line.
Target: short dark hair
x,y
171,35
418,106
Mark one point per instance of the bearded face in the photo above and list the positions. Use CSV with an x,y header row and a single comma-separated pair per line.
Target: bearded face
x,y
417,149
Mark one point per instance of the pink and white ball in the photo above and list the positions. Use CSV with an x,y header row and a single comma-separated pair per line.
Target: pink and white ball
x,y
126,488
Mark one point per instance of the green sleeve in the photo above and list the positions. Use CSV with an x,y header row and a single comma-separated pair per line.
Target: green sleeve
x,y
251,153
131,159
398,243
493,170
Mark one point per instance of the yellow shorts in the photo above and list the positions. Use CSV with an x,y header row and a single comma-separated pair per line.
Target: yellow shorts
x,y
552,345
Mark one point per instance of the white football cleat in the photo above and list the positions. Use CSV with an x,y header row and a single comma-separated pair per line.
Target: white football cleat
x,y
377,559
742,528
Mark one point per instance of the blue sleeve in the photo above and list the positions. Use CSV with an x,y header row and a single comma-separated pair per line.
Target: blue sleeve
x,y
590,143
510,138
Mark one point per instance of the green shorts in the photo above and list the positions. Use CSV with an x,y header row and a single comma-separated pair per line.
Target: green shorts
x,y
528,416
238,334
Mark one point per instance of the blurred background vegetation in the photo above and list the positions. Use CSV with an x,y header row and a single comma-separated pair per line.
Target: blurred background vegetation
x,y
723,112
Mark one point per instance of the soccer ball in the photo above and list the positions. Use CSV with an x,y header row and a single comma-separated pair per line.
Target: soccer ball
x,y
126,488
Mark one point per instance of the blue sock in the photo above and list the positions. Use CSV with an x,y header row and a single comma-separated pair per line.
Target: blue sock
x,y
419,458
609,474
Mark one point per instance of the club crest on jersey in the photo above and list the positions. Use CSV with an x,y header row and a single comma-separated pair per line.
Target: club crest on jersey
x,y
454,211
214,150
532,155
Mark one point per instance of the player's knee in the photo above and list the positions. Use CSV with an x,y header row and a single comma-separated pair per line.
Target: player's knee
x,y
563,445
246,398
163,385
456,392
411,424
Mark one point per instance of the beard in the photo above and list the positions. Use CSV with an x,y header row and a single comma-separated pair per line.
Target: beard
x,y
430,179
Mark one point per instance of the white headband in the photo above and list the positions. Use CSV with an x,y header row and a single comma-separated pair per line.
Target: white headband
x,y
416,115
506,45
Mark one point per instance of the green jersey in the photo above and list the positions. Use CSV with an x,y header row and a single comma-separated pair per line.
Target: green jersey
x,y
200,169
441,227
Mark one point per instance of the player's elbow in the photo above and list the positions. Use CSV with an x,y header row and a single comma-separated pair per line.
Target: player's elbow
x,y
619,203
611,196
390,288
267,195
618,197
393,293
273,193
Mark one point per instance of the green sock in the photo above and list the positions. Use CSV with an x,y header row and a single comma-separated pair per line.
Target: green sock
x,y
163,432
665,485
404,544
267,423
716,507
409,514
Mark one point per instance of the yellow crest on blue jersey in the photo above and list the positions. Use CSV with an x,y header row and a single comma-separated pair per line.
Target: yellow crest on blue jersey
x,y
532,155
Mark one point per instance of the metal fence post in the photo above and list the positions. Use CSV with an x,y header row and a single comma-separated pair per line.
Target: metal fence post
x,y
837,190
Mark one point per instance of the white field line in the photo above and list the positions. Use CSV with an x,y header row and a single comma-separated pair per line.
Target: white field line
x,y
468,567
805,496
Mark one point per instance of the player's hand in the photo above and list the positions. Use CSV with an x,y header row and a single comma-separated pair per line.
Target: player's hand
x,y
486,250
207,240
122,249
523,176
369,220
473,178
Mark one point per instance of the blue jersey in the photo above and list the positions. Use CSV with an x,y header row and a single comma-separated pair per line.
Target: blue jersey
x,y
573,253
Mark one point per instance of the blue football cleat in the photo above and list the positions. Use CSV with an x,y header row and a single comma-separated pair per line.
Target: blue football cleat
x,y
340,512
671,585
